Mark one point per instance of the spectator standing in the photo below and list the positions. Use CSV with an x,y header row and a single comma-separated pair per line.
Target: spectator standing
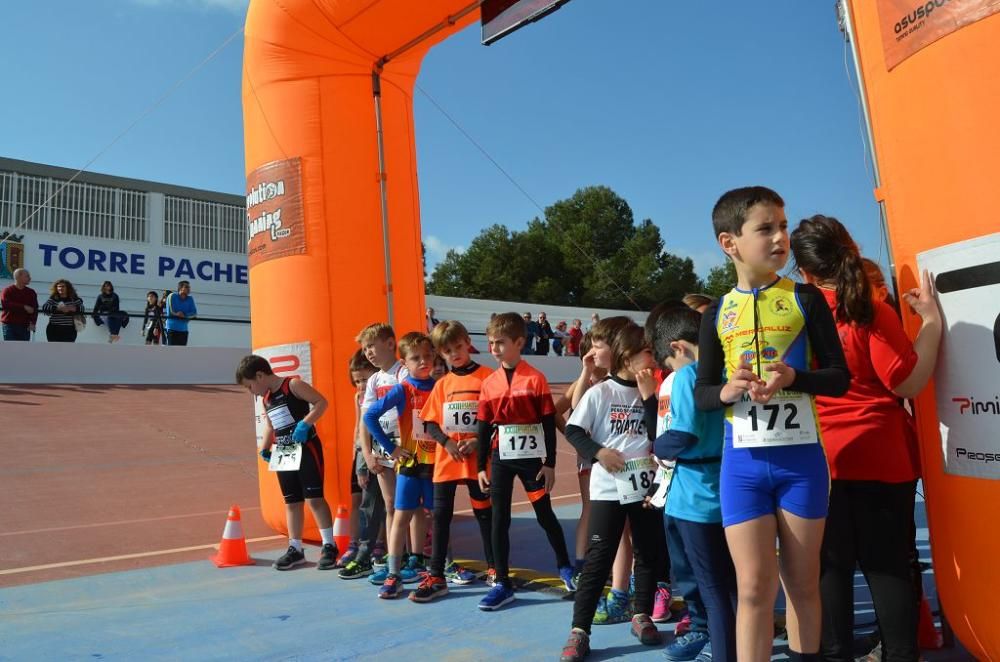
x,y
545,335
431,320
20,307
163,314
152,320
531,330
63,308
180,309
559,341
575,338
594,319
106,311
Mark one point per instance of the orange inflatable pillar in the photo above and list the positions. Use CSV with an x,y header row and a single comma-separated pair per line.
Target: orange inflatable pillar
x,y
317,272
931,75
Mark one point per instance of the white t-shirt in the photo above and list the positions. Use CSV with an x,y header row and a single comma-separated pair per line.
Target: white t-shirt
x,y
611,413
378,385
663,404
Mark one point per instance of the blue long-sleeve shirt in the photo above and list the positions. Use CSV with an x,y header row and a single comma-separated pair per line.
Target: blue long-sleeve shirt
x,y
176,304
395,399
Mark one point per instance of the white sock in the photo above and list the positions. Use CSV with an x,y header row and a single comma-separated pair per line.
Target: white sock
x,y
297,544
327,535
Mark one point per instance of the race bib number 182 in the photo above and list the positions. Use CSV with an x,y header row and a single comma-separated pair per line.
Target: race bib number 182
x,y
521,442
635,480
787,420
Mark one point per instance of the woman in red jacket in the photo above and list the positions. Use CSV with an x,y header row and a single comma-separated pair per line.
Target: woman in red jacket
x,y
870,442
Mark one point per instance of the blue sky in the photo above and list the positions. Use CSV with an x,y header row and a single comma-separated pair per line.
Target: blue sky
x,y
668,103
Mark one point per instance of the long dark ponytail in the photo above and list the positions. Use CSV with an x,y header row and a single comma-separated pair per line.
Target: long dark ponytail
x,y
823,248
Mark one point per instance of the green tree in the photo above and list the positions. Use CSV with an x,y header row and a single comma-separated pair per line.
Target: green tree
x,y
720,279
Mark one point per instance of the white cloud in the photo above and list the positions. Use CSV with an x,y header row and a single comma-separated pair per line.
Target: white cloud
x,y
436,250
234,6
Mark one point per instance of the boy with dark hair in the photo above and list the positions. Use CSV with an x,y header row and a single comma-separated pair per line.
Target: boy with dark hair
x,y
693,440
293,407
757,347
517,437
450,417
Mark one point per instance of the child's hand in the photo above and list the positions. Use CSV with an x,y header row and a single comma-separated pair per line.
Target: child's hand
x,y
923,300
468,446
300,434
373,465
612,461
647,383
484,482
400,454
739,383
589,364
363,478
548,476
265,454
781,377
454,451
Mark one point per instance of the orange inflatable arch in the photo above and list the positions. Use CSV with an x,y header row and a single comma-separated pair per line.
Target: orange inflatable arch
x,y
332,250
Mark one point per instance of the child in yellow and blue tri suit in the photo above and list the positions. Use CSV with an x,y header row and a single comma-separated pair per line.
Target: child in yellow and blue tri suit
x,y
413,453
765,349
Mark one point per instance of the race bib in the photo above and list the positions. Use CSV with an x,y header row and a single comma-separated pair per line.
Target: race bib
x,y
420,432
521,442
635,480
285,457
787,420
664,475
280,417
460,417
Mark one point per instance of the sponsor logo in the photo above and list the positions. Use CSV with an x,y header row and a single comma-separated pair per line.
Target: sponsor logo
x,y
976,407
729,320
915,16
275,226
781,306
626,419
976,456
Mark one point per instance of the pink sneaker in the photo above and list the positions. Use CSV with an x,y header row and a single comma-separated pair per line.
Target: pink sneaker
x,y
683,626
661,603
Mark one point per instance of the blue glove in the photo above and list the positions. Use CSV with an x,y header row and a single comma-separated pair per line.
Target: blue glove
x,y
265,454
301,433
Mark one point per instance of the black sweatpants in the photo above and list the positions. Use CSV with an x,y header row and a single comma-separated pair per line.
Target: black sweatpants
x,y
502,475
869,524
444,511
649,547
372,516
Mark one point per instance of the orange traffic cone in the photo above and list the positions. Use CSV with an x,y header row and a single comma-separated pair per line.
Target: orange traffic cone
x,y
342,529
233,548
927,635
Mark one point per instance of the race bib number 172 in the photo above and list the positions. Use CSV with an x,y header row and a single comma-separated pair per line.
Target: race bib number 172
x,y
786,420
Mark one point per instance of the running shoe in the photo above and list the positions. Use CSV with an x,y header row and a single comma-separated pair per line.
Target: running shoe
x,y
501,594
661,603
490,577
431,588
645,631
566,575
379,576
327,557
290,559
412,570
349,555
577,646
355,570
612,609
392,588
456,574
378,553
706,654
686,647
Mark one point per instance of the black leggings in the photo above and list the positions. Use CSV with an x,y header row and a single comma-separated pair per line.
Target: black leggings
x,y
649,546
60,333
444,511
870,524
502,474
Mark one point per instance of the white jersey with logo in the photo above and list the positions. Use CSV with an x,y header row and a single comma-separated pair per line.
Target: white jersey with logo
x,y
611,413
663,404
381,383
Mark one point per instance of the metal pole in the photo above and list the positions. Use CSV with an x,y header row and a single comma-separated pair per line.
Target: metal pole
x,y
847,24
377,94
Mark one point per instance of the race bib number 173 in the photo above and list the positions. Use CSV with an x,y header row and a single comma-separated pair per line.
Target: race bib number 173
x,y
521,442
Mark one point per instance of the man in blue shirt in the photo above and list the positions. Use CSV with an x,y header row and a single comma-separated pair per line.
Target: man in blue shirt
x,y
180,309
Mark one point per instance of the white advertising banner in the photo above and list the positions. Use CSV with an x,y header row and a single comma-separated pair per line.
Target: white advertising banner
x,y
291,360
967,275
